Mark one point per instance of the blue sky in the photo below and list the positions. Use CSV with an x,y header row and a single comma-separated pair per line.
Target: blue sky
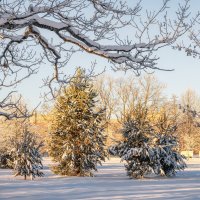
x,y
186,72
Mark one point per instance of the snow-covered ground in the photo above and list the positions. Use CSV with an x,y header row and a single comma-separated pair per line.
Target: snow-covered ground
x,y
109,183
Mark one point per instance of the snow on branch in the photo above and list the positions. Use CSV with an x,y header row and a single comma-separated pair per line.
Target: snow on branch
x,y
69,21
94,26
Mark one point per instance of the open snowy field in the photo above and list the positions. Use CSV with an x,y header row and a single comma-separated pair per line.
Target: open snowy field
x,y
110,182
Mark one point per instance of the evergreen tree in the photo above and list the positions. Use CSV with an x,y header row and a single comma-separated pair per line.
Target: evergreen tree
x,y
171,160
77,138
137,148
147,150
167,144
27,160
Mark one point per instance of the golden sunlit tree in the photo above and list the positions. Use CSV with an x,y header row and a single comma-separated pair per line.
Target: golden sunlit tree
x,y
77,132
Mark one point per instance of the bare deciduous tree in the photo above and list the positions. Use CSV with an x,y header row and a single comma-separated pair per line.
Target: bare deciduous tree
x,y
121,95
105,88
145,91
189,131
27,26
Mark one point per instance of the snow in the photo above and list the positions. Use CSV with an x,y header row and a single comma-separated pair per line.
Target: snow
x,y
109,183
120,54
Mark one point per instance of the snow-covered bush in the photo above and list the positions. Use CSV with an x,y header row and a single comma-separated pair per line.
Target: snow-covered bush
x,y
5,160
170,159
146,151
136,148
27,160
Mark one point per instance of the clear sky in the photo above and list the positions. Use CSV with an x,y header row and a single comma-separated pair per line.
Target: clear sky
x,y
186,72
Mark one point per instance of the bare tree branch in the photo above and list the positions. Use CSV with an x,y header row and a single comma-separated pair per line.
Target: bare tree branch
x,y
68,21
12,107
28,26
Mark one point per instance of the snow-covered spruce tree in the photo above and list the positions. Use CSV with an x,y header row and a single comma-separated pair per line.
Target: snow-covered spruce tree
x,y
27,160
171,160
76,137
167,145
137,147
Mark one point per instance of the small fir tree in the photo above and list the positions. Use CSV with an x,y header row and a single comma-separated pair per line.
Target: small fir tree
x,y
77,141
167,144
27,160
171,160
136,148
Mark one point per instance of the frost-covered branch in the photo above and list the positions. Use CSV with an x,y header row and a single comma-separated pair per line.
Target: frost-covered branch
x,y
70,23
191,48
12,107
35,32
